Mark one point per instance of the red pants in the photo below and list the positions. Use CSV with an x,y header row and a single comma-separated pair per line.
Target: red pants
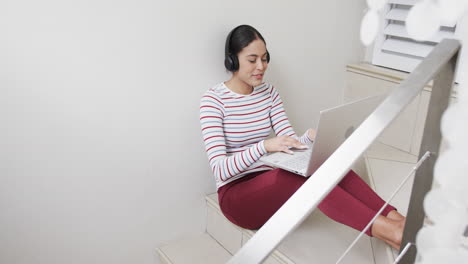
x,y
251,200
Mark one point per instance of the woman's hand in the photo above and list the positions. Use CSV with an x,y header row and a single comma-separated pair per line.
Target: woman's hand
x,y
311,133
283,143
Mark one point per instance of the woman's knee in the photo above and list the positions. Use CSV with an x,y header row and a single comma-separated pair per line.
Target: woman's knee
x,y
266,194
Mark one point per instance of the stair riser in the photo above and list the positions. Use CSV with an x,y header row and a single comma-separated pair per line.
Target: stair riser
x,y
227,234
231,237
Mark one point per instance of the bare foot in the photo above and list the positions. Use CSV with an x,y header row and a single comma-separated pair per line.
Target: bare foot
x,y
389,230
395,215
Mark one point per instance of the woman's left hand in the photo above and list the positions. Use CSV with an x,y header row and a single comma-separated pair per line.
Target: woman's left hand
x,y
311,133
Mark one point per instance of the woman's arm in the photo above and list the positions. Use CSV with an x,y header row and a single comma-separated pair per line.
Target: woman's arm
x,y
224,167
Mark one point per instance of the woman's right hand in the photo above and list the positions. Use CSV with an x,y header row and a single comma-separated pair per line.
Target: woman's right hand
x,y
283,143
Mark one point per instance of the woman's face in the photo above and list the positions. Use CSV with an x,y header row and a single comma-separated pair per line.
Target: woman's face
x,y
252,63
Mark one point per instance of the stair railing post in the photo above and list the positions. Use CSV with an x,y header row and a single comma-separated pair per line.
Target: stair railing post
x,y
438,103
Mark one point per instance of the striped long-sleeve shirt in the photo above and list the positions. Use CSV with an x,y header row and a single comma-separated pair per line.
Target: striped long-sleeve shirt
x,y
234,127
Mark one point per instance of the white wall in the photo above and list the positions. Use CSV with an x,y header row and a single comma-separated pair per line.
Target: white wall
x,y
96,96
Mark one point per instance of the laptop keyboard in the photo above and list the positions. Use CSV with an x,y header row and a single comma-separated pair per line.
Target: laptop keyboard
x,y
298,163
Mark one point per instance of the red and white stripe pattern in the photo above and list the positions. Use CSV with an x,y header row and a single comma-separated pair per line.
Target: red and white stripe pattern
x,y
234,127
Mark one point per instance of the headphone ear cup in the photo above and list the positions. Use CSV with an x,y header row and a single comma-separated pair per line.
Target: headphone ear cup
x,y
228,62
235,62
231,63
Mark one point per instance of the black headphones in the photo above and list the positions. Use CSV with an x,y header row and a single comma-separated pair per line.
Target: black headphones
x,y
231,62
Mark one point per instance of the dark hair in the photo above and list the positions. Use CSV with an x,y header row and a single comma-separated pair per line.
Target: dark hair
x,y
239,38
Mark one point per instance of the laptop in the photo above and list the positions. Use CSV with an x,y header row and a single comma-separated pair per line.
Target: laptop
x,y
334,126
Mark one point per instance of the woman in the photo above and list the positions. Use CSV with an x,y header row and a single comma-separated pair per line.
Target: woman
x,y
236,118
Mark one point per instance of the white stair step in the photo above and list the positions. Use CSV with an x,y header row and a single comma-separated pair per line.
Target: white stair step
x,y
231,236
201,249
317,240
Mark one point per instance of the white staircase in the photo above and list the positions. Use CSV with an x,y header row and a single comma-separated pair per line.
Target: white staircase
x,y
317,240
